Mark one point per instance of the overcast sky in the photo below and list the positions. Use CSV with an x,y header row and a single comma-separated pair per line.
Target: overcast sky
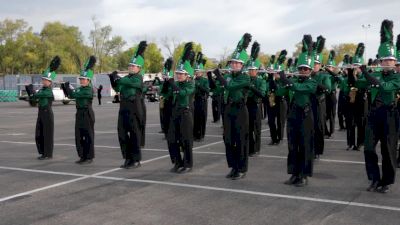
x,y
276,25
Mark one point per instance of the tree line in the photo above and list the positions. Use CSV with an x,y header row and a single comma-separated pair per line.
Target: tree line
x,y
23,51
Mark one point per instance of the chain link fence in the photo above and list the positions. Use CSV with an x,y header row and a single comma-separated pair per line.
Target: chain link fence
x,y
11,86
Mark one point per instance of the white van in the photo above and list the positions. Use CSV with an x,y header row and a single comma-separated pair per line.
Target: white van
x,y
58,94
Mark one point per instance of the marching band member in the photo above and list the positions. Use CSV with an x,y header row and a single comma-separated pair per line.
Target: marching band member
x,y
383,117
84,117
180,133
44,133
256,93
201,92
236,116
130,116
300,124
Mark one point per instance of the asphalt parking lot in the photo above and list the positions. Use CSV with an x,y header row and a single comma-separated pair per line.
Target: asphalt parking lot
x,y
58,191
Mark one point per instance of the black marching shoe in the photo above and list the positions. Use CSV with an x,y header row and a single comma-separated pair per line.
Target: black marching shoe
x,y
175,168
301,182
87,161
253,154
183,170
273,143
238,175
126,163
135,164
373,186
42,157
230,174
291,180
382,189
81,160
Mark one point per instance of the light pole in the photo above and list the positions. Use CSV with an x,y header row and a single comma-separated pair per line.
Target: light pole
x,y
366,27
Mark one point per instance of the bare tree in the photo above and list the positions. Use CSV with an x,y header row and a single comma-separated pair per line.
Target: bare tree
x,y
223,57
99,36
103,44
170,44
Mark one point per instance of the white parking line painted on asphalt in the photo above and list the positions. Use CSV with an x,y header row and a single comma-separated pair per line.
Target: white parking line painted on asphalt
x,y
183,185
13,134
196,152
266,194
80,178
207,135
83,177
42,171
159,134
327,140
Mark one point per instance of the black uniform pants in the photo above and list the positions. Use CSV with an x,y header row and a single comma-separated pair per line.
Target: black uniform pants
x,y
130,121
255,116
382,125
165,114
350,123
331,103
360,119
300,132
236,136
277,119
319,112
265,107
272,113
84,132
398,151
161,113
44,133
180,137
216,107
282,117
341,109
143,125
200,117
